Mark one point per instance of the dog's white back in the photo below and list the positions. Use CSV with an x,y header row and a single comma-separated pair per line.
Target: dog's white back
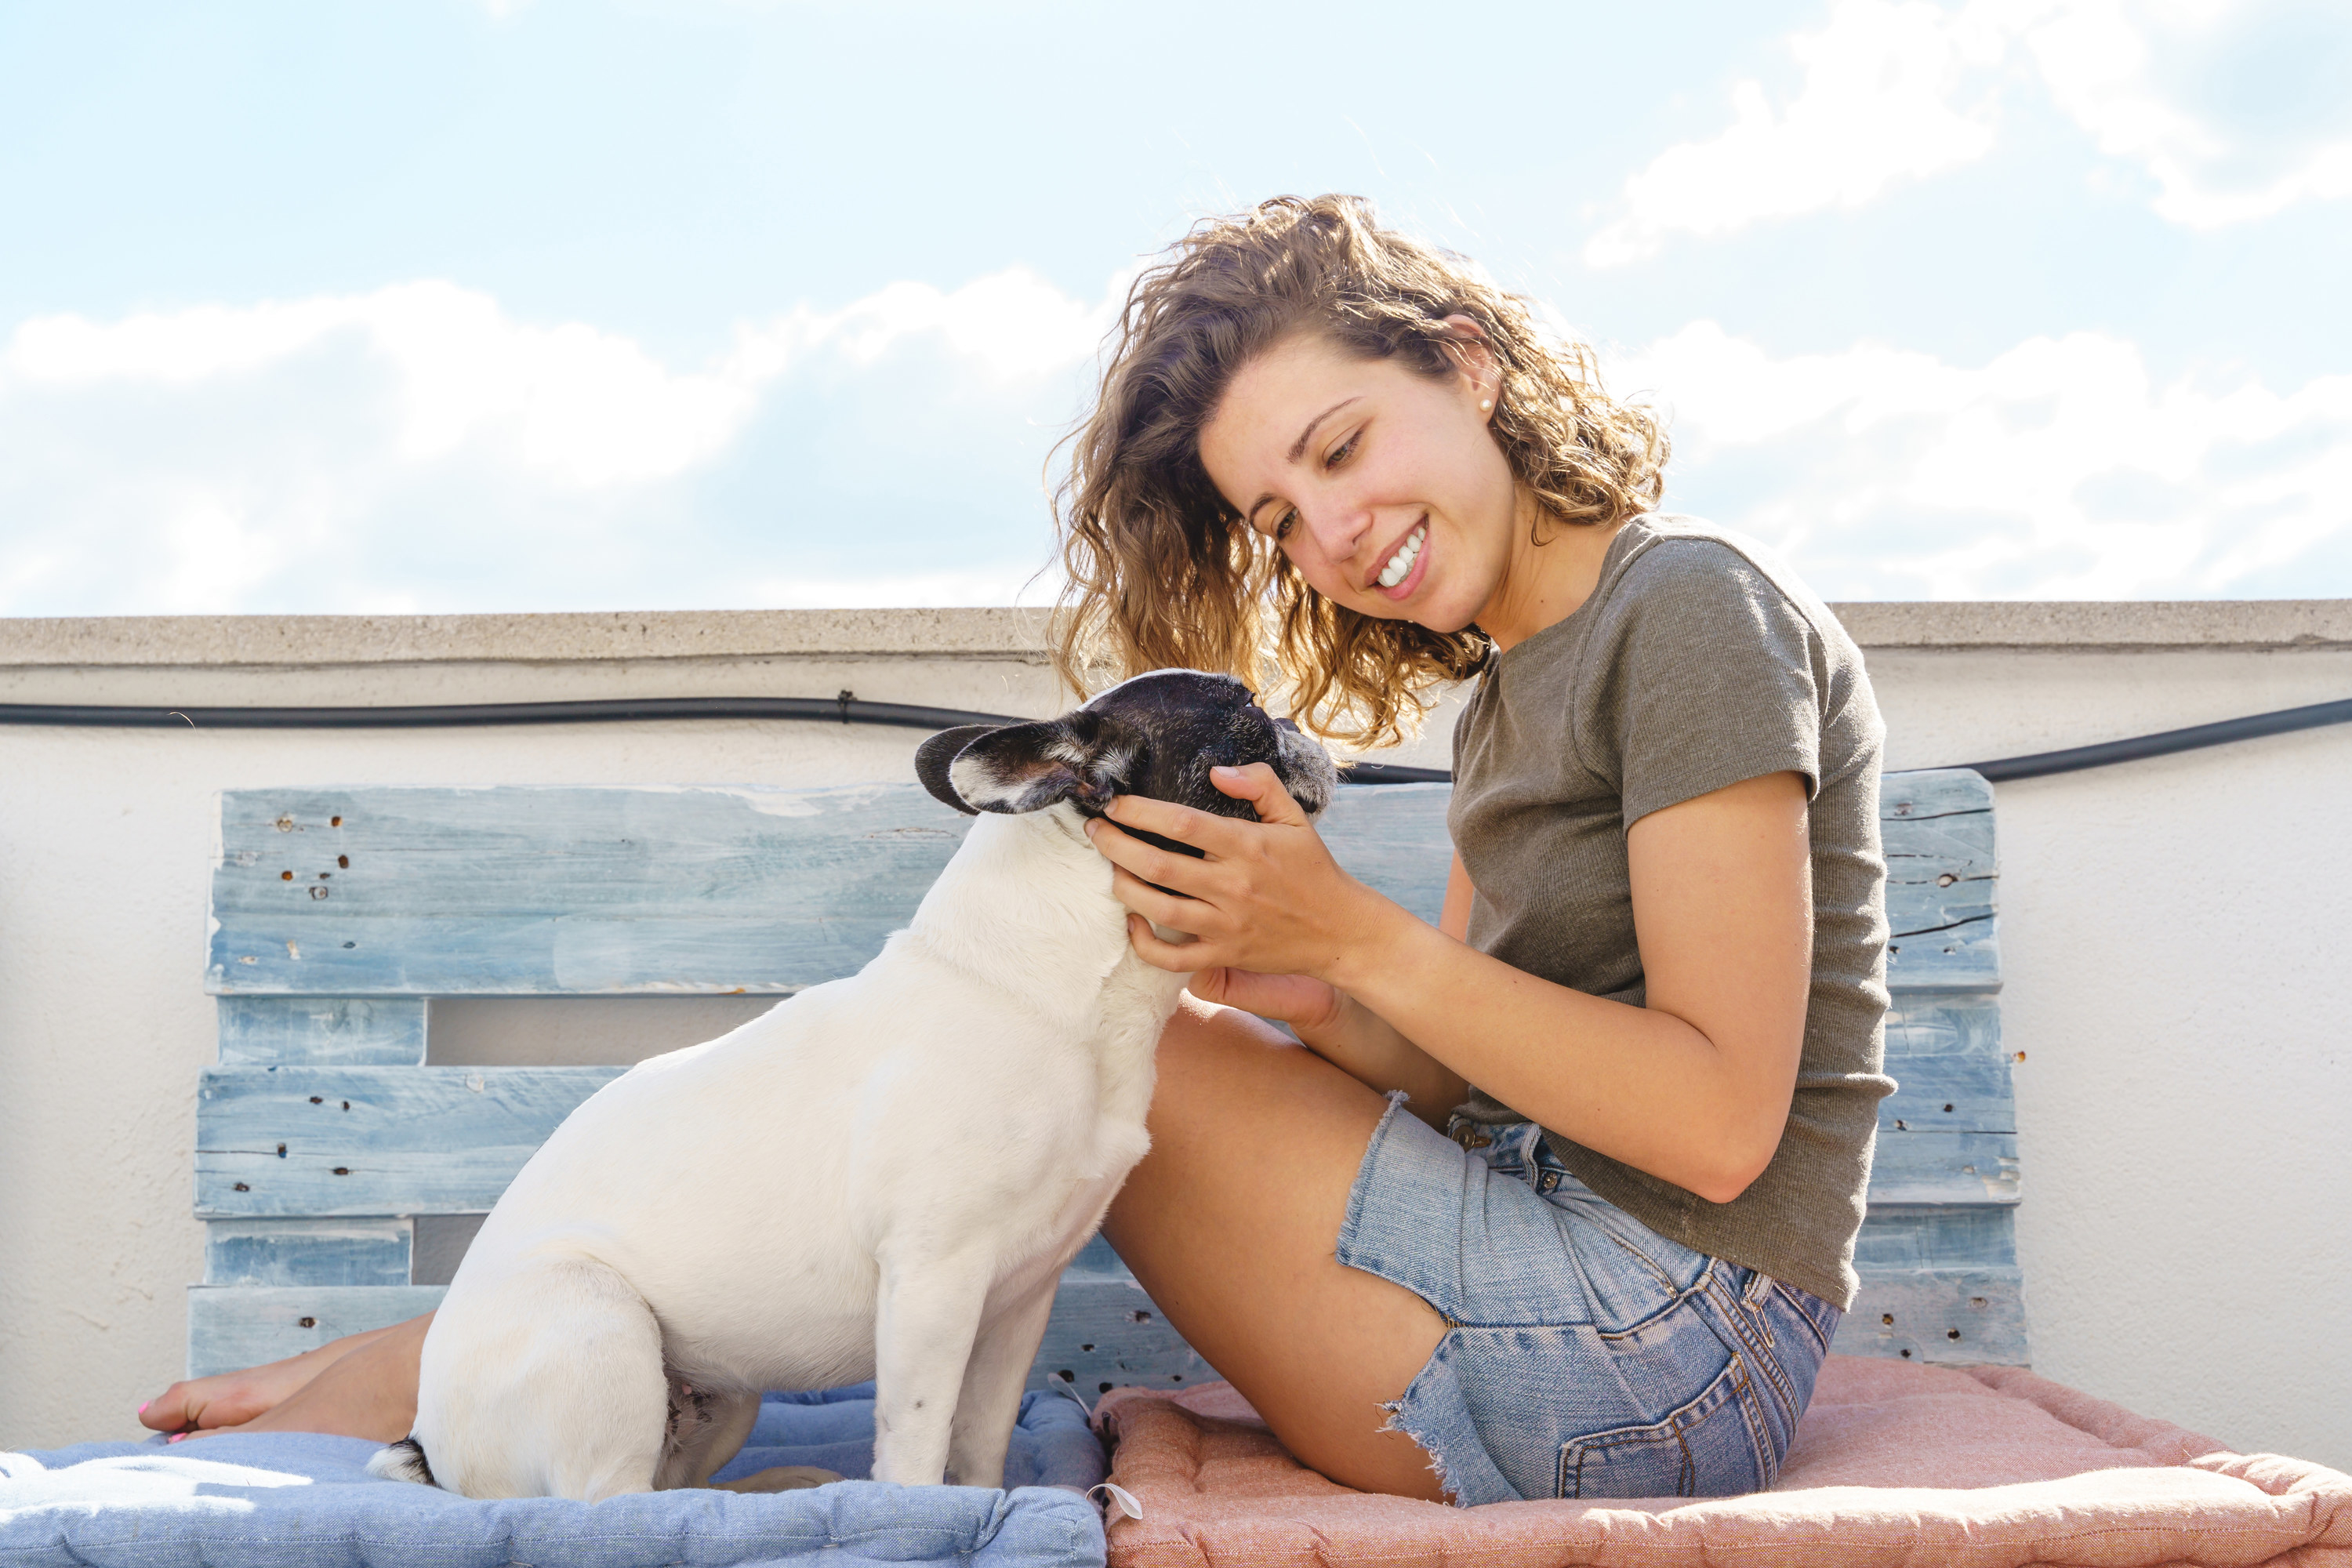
x,y
881,1177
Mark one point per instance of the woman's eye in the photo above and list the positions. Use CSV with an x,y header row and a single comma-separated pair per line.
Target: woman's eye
x,y
1282,526
1339,453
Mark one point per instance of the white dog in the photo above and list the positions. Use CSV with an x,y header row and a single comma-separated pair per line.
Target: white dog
x,y
882,1177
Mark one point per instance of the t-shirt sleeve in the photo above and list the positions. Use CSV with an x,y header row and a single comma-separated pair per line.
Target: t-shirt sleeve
x,y
1704,675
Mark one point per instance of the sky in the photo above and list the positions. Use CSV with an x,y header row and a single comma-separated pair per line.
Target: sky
x,y
494,305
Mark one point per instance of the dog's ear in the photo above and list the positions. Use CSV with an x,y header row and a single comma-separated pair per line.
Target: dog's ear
x,y
1083,757
932,757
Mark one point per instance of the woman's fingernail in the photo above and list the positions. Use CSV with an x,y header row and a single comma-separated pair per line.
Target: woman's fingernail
x,y
143,1409
177,1437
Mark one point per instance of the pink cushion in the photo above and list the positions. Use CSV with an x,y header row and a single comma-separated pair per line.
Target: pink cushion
x,y
1895,1464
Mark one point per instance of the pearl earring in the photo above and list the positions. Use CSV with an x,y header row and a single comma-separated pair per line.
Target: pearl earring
x,y
1487,405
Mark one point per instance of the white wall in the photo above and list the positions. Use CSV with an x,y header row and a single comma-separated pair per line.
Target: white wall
x,y
2175,931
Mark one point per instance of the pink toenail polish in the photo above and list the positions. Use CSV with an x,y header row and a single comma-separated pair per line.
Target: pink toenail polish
x,y
176,1437
143,1409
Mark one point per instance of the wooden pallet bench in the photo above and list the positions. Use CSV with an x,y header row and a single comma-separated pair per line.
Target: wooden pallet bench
x,y
340,916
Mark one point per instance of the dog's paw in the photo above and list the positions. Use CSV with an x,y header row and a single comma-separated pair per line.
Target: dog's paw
x,y
779,1479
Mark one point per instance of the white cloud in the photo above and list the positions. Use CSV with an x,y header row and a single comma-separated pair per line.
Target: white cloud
x,y
1901,91
418,446
1876,107
574,405
1014,322
2060,470
2102,65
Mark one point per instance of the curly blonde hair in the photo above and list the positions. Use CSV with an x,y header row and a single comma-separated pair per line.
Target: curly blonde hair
x,y
1162,571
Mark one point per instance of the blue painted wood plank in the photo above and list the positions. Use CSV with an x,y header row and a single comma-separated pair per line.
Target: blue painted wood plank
x,y
1106,1331
1903,1239
584,891
349,1031
1944,1168
327,1141
399,892
307,1252
1953,1317
1919,795
1942,867
1949,1133
1392,838
416,1141
1104,1328
1952,1070
233,1326
1934,1271
1964,956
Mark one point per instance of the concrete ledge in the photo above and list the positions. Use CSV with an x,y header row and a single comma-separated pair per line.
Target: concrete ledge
x,y
288,641
299,641
2103,623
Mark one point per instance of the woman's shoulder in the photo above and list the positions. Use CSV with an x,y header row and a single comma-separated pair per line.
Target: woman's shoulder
x,y
1683,576
1663,553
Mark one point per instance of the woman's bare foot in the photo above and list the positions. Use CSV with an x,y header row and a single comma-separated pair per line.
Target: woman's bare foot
x,y
363,1385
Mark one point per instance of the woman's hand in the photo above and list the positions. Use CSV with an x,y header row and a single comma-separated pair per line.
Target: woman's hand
x,y
1309,1006
1268,898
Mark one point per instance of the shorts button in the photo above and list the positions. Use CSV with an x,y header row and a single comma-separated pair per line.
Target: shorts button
x,y
1551,1180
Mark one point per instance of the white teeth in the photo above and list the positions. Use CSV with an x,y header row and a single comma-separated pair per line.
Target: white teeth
x,y
1402,562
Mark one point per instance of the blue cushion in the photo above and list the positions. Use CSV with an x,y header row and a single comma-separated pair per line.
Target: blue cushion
x,y
294,1499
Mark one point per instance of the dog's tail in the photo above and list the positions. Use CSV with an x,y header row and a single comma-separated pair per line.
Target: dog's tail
x,y
404,1461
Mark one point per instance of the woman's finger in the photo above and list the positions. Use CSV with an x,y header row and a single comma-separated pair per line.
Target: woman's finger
x,y
1176,912
1257,784
1177,958
1214,835
1149,861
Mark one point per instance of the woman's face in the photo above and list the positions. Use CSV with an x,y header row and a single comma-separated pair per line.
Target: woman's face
x,y
1381,485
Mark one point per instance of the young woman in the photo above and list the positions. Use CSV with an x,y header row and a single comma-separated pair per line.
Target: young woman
x,y
1603,1252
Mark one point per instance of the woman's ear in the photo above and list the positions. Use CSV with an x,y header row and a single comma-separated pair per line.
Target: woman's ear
x,y
1482,373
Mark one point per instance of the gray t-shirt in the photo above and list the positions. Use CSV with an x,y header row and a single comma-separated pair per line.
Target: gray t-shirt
x,y
1698,661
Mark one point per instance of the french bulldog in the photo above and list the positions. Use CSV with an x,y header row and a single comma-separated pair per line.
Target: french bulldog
x,y
882,1176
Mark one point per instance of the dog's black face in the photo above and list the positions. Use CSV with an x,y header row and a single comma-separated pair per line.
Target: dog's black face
x,y
1157,735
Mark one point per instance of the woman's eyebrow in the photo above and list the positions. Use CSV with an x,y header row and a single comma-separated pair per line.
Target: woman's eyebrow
x,y
1297,450
1298,447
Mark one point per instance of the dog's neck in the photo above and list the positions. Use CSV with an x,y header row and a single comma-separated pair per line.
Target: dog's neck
x,y
1026,906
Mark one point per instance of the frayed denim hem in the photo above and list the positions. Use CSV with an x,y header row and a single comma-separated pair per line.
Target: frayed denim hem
x,y
1436,1414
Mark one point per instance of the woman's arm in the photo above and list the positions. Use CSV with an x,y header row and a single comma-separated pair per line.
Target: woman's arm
x,y
1693,1087
1454,917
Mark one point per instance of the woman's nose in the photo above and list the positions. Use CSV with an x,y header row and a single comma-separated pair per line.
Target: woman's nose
x,y
1339,526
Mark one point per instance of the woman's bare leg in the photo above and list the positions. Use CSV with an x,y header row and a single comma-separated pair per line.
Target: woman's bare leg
x,y
1232,1224
361,1386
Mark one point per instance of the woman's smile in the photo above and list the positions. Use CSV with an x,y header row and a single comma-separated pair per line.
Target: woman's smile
x,y
1402,573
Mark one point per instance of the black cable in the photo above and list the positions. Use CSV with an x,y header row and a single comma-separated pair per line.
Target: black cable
x,y
847,709
2040,764
844,708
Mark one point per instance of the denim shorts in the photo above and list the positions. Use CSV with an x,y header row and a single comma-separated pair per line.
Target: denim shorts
x,y
1585,1355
